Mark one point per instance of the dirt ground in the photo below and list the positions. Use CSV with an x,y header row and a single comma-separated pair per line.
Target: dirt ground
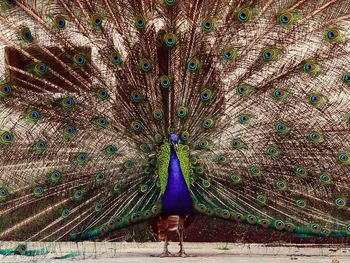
x,y
108,252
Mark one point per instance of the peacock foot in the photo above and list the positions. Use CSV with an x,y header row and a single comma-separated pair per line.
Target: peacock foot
x,y
165,254
182,254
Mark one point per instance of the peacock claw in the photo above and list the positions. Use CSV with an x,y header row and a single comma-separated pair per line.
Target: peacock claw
x,y
182,254
165,254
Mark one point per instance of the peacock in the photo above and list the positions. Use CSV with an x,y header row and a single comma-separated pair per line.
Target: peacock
x,y
117,112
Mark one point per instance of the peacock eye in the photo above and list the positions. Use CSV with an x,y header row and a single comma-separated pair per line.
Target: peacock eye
x,y
103,93
243,16
271,150
136,126
116,59
314,135
277,93
60,22
25,35
170,39
169,2
7,88
228,55
193,65
346,78
331,35
267,55
140,22
284,19
40,68
307,67
343,157
79,60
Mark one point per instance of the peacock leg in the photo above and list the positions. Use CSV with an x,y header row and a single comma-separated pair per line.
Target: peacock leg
x,y
181,230
166,252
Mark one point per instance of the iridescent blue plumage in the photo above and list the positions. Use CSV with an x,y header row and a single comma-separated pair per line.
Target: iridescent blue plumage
x,y
177,198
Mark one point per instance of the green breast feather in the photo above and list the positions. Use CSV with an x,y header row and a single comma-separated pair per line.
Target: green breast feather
x,y
163,158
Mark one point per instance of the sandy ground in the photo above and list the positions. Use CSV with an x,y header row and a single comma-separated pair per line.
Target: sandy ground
x,y
199,252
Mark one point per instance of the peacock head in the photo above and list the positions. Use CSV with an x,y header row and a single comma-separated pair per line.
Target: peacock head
x,y
174,140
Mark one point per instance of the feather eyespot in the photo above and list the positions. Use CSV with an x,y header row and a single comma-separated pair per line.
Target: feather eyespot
x,y
40,69
6,137
280,94
311,67
102,122
281,185
279,225
32,116
288,17
244,90
60,22
102,93
116,58
136,126
208,123
110,150
301,171
340,202
140,22
157,114
236,179
170,39
326,178
317,99
81,158
25,34
40,146
344,157
79,60
182,112
96,20
346,78
245,14
301,203
193,64
255,170
208,24
333,35
316,137
136,96
4,194
165,82
145,65
5,89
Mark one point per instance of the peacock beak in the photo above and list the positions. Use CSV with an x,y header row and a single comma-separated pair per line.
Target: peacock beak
x,y
175,146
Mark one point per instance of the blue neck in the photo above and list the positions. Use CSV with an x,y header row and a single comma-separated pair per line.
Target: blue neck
x,y
177,198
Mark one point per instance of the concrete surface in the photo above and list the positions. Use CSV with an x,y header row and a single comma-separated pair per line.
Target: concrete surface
x,y
104,252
